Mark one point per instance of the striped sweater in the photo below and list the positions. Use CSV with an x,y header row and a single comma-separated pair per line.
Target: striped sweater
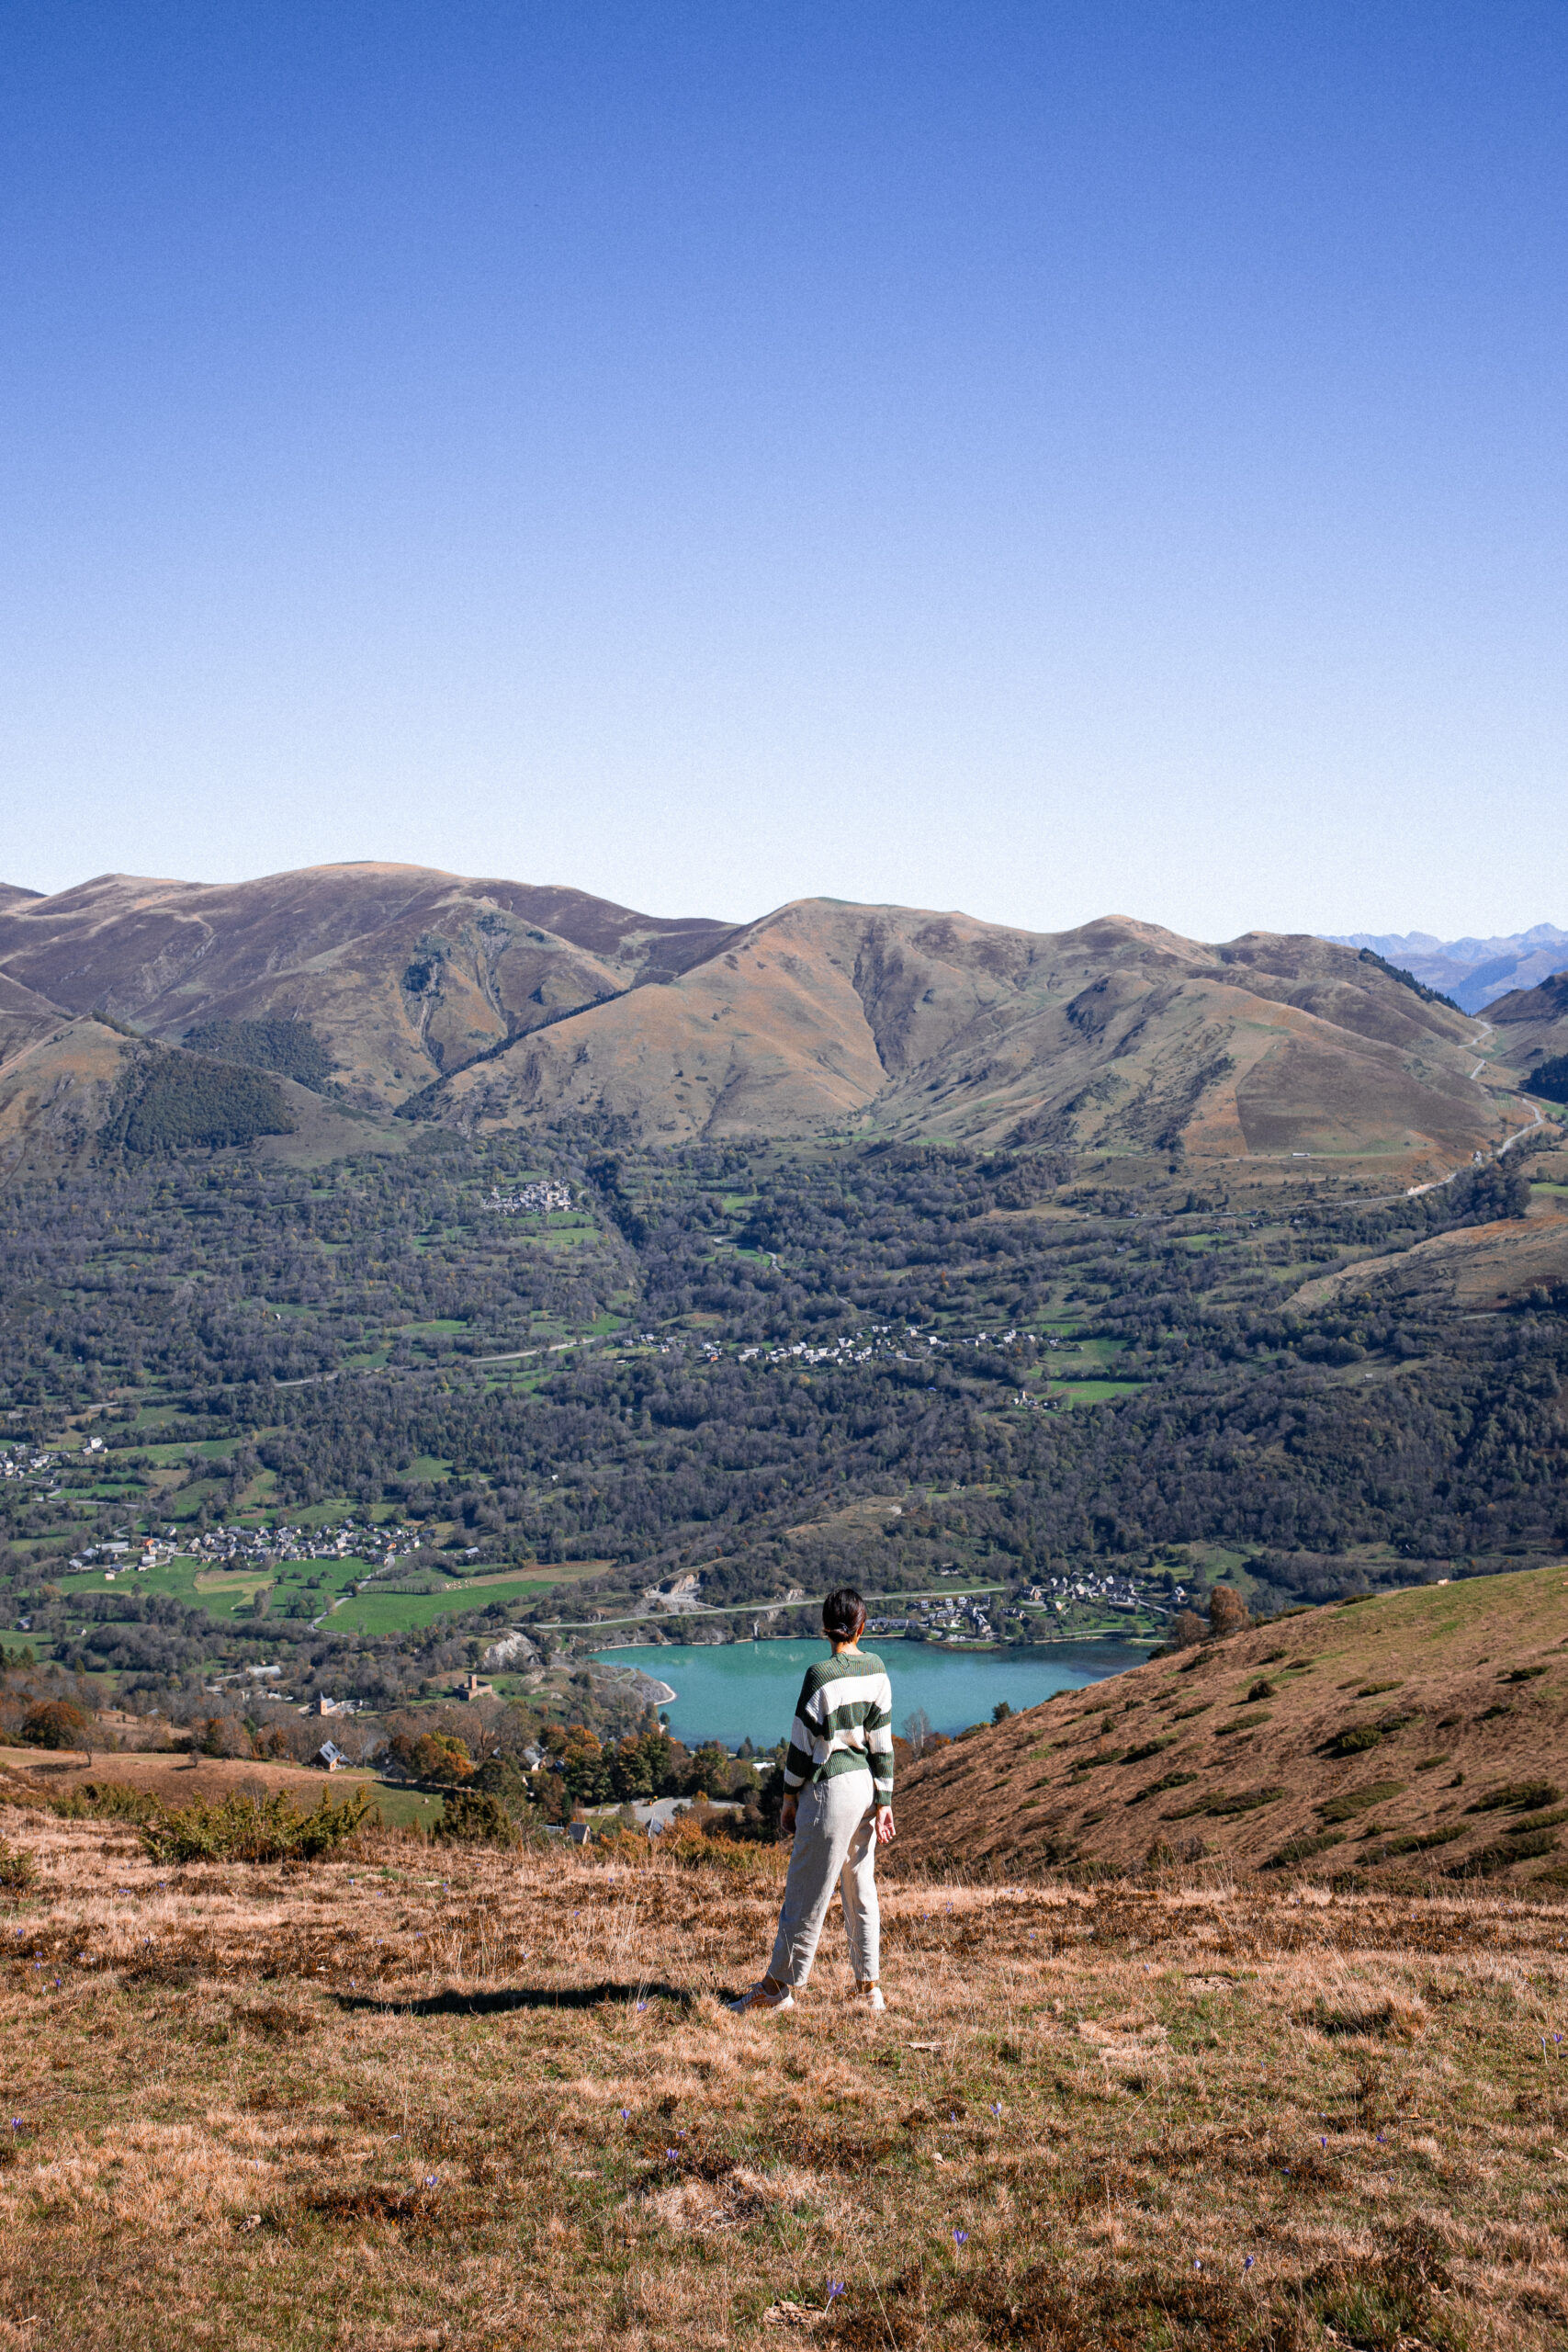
x,y
843,1723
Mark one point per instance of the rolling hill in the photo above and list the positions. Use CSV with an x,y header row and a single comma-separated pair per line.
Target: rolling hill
x,y
401,971
484,1006
1420,1732
1119,1036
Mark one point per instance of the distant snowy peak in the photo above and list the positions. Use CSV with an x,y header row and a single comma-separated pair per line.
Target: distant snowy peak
x,y
1473,971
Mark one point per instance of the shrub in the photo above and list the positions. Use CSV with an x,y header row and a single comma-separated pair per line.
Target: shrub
x,y
1355,1801
17,1869
1416,1841
1158,1788
1301,1849
254,1829
1507,1851
475,1818
1354,1741
108,1800
687,1841
1245,1801
57,1723
1517,1796
1151,1747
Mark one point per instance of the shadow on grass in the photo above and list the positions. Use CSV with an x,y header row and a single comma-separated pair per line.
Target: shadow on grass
x,y
519,1996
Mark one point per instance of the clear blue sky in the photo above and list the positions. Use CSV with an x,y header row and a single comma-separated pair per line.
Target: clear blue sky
x,y
1040,460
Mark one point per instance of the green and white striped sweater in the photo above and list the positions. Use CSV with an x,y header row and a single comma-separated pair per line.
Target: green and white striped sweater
x,y
843,1723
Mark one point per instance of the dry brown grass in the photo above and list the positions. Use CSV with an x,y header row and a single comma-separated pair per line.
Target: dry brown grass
x,y
1239,1748
497,2101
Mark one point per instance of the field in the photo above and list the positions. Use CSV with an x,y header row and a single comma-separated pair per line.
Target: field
x,y
400,1612
174,1779
319,1585
436,2098
199,1584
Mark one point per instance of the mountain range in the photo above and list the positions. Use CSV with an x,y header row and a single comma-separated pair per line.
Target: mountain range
x,y
1473,972
478,1003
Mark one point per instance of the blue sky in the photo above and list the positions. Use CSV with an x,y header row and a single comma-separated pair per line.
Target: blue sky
x,y
1041,459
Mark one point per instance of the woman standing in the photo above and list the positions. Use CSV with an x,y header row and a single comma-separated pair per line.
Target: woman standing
x,y
837,1807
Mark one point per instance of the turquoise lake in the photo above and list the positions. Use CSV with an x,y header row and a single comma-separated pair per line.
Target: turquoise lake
x,y
747,1689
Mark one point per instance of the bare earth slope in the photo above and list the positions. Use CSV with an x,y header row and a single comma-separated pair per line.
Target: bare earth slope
x,y
1384,1726
890,1021
403,971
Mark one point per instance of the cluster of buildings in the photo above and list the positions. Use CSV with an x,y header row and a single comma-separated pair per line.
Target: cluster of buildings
x,y
1109,1592
857,1347
125,1556
532,1200
236,1547
28,1465
960,1617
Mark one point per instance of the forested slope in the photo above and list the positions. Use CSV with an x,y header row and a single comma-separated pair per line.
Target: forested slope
x,y
770,1371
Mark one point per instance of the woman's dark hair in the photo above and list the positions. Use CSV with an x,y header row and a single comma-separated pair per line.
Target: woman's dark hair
x,y
843,1615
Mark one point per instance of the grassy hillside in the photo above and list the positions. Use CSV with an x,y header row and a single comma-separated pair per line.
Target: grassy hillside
x,y
892,1022
399,972
1422,1735
488,1002
427,2097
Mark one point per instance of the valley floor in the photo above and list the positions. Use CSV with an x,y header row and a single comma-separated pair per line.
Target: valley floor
x,y
427,2097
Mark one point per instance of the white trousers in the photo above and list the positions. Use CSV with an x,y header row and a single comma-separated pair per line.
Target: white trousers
x,y
835,1845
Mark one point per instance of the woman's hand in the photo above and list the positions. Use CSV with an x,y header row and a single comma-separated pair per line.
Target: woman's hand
x,y
885,1833
786,1818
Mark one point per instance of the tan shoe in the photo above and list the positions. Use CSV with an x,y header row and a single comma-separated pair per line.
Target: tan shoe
x,y
762,1997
